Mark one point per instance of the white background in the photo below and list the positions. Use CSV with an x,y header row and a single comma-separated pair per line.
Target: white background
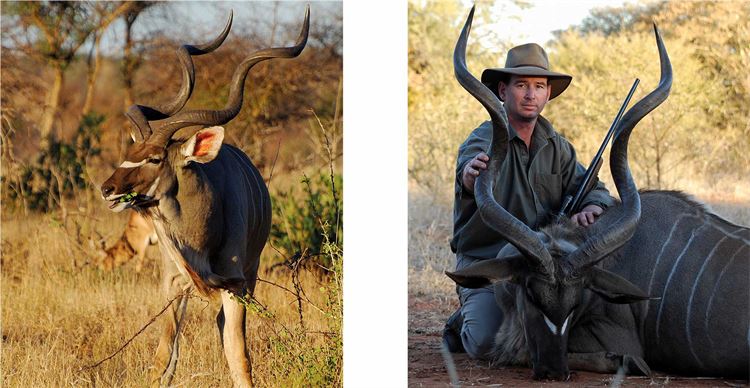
x,y
375,174
375,194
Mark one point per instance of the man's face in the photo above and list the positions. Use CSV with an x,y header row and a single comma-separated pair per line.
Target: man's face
x,y
524,97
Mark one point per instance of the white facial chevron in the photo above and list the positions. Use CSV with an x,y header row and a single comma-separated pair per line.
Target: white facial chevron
x,y
553,328
127,164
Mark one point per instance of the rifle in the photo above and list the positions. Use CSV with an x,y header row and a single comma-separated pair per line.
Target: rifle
x,y
571,203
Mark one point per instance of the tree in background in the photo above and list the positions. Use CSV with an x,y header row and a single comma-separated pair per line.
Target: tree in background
x,y
131,61
441,113
699,136
54,31
139,65
280,94
603,69
702,131
106,13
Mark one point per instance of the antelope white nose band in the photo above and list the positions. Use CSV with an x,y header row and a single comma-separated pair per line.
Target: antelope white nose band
x,y
127,164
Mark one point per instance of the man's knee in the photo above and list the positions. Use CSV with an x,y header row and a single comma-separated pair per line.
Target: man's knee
x,y
482,319
478,343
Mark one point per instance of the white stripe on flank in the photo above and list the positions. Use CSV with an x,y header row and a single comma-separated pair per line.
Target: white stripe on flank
x,y
669,278
716,285
703,220
127,164
690,305
247,173
735,234
661,252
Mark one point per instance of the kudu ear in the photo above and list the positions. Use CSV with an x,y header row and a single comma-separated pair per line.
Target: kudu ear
x,y
203,146
614,288
486,272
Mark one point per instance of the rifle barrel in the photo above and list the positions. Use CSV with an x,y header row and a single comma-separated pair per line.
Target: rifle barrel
x,y
592,170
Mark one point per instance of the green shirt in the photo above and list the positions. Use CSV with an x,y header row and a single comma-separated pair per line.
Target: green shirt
x,y
531,185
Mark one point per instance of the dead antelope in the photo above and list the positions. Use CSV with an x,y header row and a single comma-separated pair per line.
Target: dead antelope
x,y
209,204
138,235
674,292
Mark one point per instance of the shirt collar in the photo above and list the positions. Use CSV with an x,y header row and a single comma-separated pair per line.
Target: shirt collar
x,y
542,129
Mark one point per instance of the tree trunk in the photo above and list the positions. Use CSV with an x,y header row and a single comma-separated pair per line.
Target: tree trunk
x,y
93,73
128,66
51,107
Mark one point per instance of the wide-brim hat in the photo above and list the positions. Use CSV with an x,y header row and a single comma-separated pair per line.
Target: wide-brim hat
x,y
528,60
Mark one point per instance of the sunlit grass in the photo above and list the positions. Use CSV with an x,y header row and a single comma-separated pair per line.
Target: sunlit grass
x,y
60,314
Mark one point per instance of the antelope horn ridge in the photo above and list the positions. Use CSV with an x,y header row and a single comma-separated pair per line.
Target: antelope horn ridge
x,y
512,229
612,237
140,115
168,126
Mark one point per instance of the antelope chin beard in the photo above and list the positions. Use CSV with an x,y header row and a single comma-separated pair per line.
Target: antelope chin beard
x,y
119,206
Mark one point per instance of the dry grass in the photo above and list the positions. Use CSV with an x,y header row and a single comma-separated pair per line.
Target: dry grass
x,y
734,209
60,314
430,231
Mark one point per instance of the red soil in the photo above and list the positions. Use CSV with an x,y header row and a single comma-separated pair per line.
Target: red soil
x,y
427,368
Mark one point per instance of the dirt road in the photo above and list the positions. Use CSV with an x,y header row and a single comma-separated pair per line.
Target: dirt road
x,y
427,366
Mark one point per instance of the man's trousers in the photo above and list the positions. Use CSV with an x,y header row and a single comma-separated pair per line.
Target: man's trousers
x,y
482,316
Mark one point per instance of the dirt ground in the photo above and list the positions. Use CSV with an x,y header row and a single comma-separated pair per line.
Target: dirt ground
x,y
427,367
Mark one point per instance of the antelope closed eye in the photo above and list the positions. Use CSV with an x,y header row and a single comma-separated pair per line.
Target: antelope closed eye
x,y
531,297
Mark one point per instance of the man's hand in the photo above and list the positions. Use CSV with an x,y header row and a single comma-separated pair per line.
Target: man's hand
x,y
587,215
472,169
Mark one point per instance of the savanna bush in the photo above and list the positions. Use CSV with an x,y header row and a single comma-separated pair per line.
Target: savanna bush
x,y
307,218
58,171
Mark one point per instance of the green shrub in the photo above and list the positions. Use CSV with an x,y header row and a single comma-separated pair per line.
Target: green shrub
x,y
303,221
59,171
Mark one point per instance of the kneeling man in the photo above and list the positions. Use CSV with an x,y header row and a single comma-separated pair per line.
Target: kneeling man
x,y
538,172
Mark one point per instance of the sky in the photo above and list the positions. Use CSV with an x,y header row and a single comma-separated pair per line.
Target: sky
x,y
209,17
536,24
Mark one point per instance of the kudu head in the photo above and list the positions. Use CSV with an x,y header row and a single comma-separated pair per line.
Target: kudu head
x,y
551,269
157,155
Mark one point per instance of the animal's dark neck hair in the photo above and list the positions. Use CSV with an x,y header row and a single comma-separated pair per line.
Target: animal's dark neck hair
x,y
510,343
565,229
681,196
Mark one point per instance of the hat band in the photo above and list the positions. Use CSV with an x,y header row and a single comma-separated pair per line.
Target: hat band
x,y
530,65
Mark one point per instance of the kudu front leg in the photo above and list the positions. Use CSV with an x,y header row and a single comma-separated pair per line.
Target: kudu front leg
x,y
167,353
232,331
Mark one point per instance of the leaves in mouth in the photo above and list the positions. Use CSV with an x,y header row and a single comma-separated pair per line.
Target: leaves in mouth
x,y
128,197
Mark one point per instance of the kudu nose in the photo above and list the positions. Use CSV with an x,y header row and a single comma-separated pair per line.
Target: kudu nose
x,y
107,189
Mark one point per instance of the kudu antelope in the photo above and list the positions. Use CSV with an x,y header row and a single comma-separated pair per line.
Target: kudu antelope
x,y
673,293
209,204
139,233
